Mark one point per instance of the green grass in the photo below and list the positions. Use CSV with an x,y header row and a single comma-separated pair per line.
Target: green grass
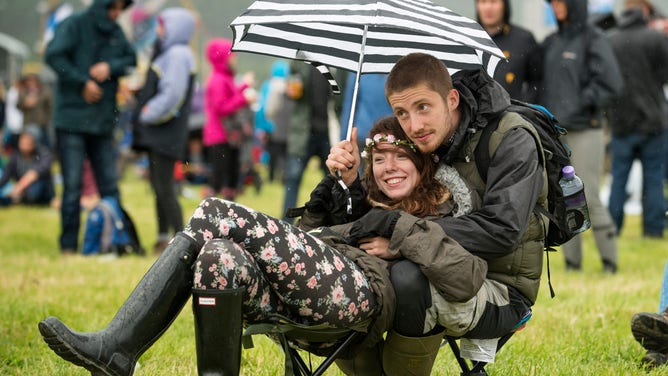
x,y
583,331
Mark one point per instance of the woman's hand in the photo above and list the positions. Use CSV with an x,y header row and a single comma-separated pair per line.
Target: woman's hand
x,y
379,247
345,158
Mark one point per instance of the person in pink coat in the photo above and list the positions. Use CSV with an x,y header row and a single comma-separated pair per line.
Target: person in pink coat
x,y
224,128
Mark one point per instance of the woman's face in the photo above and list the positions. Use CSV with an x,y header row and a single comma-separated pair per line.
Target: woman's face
x,y
394,172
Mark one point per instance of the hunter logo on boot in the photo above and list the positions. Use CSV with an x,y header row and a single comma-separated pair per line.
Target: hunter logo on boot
x,y
207,301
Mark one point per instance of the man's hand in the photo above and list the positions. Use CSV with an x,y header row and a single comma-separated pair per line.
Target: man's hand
x,y
100,71
379,247
92,92
345,158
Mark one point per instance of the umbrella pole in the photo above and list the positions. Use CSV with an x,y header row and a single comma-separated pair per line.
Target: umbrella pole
x,y
357,85
349,200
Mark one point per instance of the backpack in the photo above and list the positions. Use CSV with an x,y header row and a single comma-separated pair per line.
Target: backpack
x,y
109,229
554,155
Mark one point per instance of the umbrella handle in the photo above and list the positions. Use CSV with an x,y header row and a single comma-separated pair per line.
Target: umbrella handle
x,y
346,191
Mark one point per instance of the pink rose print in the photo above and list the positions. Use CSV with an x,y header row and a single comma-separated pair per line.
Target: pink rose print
x,y
212,268
283,267
222,283
338,264
241,222
337,295
259,232
312,282
292,241
207,235
265,300
268,253
327,268
227,260
305,311
309,251
224,228
359,279
272,227
199,213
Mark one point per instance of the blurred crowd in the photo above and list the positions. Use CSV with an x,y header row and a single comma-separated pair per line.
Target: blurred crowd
x,y
236,125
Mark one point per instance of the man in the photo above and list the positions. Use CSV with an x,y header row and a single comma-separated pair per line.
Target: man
x,y
637,117
521,74
89,53
445,116
580,78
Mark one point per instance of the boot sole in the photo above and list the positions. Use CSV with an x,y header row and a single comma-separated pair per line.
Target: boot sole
x,y
68,353
651,331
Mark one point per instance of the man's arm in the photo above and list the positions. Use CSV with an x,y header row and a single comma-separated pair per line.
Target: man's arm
x,y
605,78
514,182
63,44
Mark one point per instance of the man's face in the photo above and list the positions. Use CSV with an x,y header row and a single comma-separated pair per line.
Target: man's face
x,y
115,9
490,12
560,10
426,118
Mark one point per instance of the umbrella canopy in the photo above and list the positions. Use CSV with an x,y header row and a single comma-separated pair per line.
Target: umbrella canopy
x,y
364,36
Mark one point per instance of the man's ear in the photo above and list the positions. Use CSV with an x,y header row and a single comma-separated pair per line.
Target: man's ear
x,y
452,99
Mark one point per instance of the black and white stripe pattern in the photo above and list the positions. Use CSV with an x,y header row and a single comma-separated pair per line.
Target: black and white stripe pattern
x,y
336,89
330,32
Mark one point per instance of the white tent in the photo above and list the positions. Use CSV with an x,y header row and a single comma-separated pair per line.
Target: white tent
x,y
12,54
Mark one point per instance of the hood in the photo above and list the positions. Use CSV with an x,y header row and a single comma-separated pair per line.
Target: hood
x,y
218,52
506,12
578,15
179,26
98,10
280,69
633,16
481,99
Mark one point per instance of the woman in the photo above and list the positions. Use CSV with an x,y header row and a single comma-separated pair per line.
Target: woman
x,y
252,267
223,129
161,117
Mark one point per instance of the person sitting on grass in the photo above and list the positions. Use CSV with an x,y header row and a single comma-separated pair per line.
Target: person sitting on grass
x,y
249,267
29,168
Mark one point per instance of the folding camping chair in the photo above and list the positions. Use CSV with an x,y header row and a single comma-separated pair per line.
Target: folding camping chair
x,y
320,340
477,368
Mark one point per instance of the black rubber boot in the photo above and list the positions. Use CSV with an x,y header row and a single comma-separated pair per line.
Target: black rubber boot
x,y
149,310
218,330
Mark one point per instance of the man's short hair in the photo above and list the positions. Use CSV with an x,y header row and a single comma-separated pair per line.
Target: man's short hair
x,y
416,69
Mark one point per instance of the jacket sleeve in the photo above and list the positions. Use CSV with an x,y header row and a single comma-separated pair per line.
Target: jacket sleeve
x,y
172,88
43,166
126,59
63,45
514,183
605,78
454,272
228,99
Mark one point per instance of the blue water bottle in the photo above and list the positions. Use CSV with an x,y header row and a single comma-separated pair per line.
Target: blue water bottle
x,y
577,212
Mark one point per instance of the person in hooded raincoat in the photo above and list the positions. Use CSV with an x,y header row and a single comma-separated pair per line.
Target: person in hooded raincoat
x,y
88,53
160,120
580,78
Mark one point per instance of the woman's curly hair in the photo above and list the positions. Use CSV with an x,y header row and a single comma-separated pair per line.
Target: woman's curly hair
x,y
429,193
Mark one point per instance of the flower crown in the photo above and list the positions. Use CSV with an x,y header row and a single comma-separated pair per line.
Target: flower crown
x,y
388,138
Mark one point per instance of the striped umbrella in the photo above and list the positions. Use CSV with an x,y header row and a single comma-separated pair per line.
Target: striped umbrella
x,y
363,36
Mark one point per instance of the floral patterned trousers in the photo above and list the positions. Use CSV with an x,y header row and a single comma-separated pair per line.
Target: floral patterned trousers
x,y
283,269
